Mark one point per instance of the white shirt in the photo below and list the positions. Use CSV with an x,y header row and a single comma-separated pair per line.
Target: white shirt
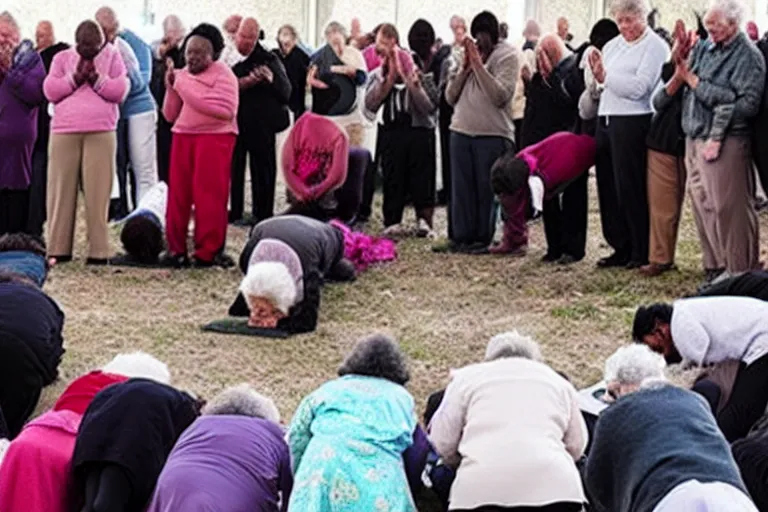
x,y
632,71
230,56
536,184
709,330
508,423
155,201
694,496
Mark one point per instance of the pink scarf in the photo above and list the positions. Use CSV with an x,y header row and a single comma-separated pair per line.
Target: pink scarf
x,y
365,250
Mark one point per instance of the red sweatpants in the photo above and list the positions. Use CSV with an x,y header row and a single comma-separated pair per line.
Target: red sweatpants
x,y
199,175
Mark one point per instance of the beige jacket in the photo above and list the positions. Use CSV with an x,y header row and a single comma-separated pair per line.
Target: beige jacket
x,y
514,428
528,58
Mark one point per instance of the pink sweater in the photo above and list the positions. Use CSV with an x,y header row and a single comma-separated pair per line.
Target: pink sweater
x,y
86,108
204,103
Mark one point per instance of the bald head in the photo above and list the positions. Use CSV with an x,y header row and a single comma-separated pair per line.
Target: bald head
x,y
532,31
44,36
107,20
554,47
173,29
247,35
232,24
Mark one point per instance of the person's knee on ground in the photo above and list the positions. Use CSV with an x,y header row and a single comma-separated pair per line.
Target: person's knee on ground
x,y
142,238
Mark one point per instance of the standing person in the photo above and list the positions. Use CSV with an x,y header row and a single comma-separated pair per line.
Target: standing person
x,y
716,122
201,102
21,94
445,113
166,52
264,94
602,32
296,63
628,70
481,90
85,85
339,71
531,35
563,27
47,47
229,55
666,173
408,158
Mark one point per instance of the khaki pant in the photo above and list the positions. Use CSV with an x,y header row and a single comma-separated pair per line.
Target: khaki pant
x,y
722,198
666,191
75,158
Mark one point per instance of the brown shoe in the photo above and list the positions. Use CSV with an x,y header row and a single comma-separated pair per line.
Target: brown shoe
x,y
503,249
654,269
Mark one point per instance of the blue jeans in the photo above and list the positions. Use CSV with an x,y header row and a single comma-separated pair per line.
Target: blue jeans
x,y
473,207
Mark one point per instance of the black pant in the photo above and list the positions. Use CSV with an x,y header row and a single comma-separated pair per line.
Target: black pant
x,y
621,165
369,184
444,119
748,400
565,220
107,489
14,209
125,204
518,132
562,506
408,162
164,138
38,191
258,145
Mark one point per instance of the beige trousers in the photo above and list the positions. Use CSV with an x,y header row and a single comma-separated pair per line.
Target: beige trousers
x,y
722,195
75,158
666,191
356,134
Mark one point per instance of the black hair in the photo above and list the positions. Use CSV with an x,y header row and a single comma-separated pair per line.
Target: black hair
x,y
142,239
22,242
488,23
421,38
503,30
646,318
212,34
509,174
665,35
701,30
377,356
602,32
652,18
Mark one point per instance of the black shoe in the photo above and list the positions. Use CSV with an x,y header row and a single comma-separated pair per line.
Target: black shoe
x,y
551,257
241,223
61,259
711,274
97,262
220,260
613,261
478,249
567,259
634,265
449,247
176,261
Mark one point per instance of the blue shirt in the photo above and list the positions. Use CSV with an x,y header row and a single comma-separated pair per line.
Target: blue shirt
x,y
139,99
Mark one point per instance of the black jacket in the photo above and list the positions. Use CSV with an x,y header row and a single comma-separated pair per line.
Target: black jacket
x,y
553,105
157,82
265,105
319,247
666,132
43,119
296,64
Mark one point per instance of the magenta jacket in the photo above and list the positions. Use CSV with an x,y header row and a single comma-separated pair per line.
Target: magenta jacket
x,y
86,108
560,158
21,93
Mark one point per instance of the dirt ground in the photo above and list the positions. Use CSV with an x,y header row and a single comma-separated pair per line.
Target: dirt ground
x,y
442,309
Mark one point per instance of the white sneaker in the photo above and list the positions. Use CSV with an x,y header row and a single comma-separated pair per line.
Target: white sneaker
x,y
394,231
424,230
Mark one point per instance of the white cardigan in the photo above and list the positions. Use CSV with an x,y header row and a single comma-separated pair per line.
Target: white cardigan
x,y
515,427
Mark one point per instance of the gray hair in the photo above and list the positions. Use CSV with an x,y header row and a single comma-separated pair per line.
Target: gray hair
x,y
335,26
7,17
638,7
270,280
379,356
512,344
242,400
634,364
733,10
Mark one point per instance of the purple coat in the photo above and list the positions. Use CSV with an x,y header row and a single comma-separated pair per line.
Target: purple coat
x,y
21,93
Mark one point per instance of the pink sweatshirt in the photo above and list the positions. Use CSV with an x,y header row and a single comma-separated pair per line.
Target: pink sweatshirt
x,y
315,157
86,108
204,103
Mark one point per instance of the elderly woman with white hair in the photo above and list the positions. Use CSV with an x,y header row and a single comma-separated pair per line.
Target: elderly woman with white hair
x,y
34,476
723,81
232,458
628,71
285,262
506,422
658,449
347,437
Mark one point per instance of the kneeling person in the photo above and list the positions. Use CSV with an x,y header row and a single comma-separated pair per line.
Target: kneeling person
x,y
285,263
524,180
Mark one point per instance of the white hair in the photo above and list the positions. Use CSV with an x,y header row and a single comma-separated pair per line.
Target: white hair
x,y
633,365
272,281
4,444
733,10
512,344
640,7
139,365
7,17
242,400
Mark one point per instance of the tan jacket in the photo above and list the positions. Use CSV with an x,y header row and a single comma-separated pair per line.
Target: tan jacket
x,y
518,100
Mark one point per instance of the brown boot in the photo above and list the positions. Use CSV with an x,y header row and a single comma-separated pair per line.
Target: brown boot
x,y
505,249
655,269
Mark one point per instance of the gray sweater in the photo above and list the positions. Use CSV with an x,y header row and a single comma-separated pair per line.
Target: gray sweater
x,y
419,101
482,99
730,90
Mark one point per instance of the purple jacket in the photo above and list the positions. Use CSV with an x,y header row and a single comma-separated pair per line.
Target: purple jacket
x,y
21,93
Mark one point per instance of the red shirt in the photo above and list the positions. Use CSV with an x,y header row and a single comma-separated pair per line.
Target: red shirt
x,y
560,158
78,395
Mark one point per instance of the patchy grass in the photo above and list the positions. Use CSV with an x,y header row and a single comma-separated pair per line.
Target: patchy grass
x,y
442,308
